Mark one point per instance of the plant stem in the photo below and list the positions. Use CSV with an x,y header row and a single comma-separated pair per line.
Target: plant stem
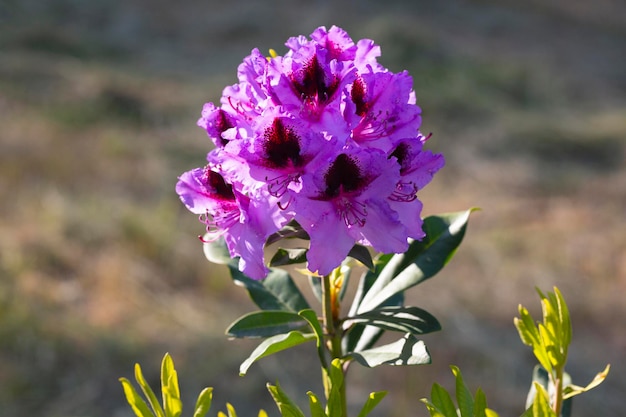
x,y
330,312
558,385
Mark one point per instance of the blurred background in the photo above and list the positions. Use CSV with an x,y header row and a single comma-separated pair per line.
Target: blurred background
x,y
100,266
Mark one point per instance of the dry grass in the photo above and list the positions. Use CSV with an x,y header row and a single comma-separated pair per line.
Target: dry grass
x,y
99,265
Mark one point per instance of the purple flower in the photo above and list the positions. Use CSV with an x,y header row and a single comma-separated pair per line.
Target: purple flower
x,y
345,202
244,223
323,135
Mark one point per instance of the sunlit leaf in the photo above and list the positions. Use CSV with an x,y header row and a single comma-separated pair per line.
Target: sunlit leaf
x,y
372,401
573,390
442,400
443,236
275,344
406,351
412,320
362,254
287,256
138,405
147,391
283,402
317,409
276,292
170,390
203,403
464,398
336,383
265,323
310,316
291,230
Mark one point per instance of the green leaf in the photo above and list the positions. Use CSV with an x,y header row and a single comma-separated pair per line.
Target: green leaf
x,y
360,337
216,251
317,409
275,344
276,292
336,384
203,403
287,256
362,254
169,388
463,396
135,401
231,410
283,402
480,404
541,404
411,320
423,259
372,401
310,316
265,323
405,351
147,391
573,390
442,400
291,230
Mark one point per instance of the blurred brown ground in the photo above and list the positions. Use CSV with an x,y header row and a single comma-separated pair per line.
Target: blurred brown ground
x,y
99,264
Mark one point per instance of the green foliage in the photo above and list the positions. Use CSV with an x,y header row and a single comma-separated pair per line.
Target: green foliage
x,y
171,403
442,405
405,351
377,306
550,340
335,406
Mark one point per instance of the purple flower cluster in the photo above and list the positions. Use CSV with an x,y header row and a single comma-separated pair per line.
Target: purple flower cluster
x,y
325,136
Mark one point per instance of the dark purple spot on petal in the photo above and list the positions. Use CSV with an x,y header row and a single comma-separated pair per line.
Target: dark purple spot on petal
x,y
222,124
343,175
281,145
217,186
401,153
358,97
311,82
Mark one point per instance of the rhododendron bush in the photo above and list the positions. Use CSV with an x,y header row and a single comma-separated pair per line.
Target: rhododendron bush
x,y
317,160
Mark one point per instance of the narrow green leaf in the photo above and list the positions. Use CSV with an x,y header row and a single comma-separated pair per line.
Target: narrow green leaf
x,y
203,403
573,390
283,402
372,401
442,400
443,236
231,410
265,323
541,404
480,404
336,384
288,256
170,390
275,344
362,254
463,396
291,230
565,318
310,316
276,292
147,391
317,409
135,401
406,351
434,411
412,320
